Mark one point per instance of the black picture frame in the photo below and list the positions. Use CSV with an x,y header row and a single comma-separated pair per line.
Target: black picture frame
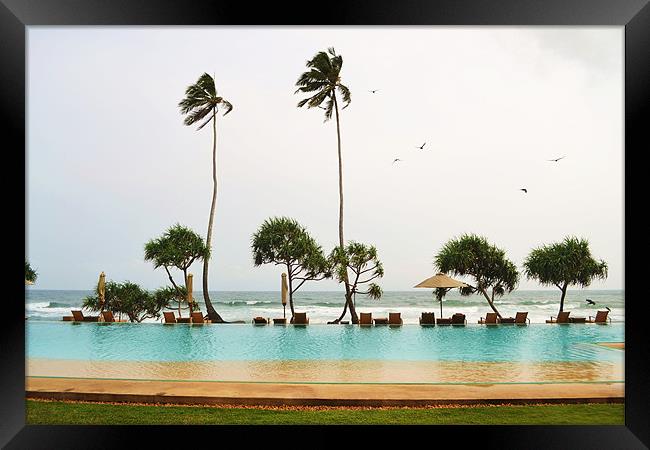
x,y
634,15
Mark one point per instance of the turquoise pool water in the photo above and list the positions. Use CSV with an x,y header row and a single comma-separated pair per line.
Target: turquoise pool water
x,y
181,342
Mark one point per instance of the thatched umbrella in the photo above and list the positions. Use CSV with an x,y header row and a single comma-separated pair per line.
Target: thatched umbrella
x,y
101,289
442,281
190,282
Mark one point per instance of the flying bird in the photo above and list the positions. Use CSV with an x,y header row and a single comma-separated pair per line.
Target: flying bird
x,y
395,160
524,189
557,159
422,146
374,91
590,301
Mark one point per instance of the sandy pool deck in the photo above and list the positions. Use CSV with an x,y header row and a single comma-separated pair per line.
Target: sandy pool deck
x,y
328,383
227,393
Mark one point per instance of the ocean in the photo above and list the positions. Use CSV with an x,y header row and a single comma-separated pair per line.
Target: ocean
x,y
322,307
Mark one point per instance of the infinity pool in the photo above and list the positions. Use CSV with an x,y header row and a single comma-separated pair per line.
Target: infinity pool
x,y
535,343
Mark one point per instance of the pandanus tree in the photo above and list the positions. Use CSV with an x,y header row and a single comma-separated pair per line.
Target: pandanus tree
x,y
177,248
283,241
200,106
322,83
30,274
474,256
563,264
129,299
362,262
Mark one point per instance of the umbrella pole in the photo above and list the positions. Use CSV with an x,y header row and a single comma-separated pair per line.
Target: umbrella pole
x,y
284,311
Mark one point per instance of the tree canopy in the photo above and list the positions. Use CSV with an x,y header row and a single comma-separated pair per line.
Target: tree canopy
x,y
178,247
127,298
363,262
283,241
563,264
201,99
322,81
30,274
567,262
474,256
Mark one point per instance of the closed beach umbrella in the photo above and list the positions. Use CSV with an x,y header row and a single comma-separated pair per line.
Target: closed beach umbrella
x,y
101,289
285,290
440,280
189,290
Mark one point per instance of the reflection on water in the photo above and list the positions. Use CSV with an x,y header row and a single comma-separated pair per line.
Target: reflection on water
x,y
205,343
336,371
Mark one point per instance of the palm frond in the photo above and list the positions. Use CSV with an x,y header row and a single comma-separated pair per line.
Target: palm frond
x,y
345,94
227,105
197,114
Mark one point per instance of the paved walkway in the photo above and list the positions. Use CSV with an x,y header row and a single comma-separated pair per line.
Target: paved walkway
x,y
230,393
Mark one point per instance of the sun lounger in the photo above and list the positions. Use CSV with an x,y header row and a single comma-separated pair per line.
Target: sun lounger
x,y
562,317
381,321
458,319
197,317
260,321
443,321
365,318
489,319
601,317
507,320
169,317
68,318
279,321
300,319
395,319
109,317
521,318
578,320
428,319
79,317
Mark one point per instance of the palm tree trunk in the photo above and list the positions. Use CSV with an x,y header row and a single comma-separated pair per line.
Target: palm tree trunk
x,y
491,303
563,296
212,314
348,296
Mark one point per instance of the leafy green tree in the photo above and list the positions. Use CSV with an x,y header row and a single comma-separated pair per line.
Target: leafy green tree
x,y
30,274
173,297
563,264
126,298
201,104
474,256
283,241
178,247
322,82
362,262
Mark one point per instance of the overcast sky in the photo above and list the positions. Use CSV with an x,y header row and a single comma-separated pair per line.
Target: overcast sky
x,y
110,164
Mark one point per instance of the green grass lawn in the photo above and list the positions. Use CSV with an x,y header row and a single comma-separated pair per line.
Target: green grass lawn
x,y
45,412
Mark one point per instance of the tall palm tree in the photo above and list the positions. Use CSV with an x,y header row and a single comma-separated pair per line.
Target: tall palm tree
x,y
322,82
201,103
